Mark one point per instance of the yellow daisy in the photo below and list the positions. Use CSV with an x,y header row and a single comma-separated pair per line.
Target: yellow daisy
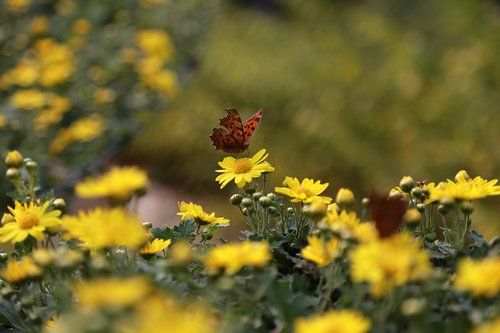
x,y
306,191
28,220
119,183
103,228
464,188
338,321
193,211
155,246
321,252
243,170
18,271
233,257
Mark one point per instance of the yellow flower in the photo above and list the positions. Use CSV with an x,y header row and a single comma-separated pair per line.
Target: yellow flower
x,y
28,220
492,326
39,25
120,183
305,191
155,43
28,99
464,188
233,257
56,107
25,74
112,292
17,5
181,252
3,120
389,263
103,228
155,246
321,252
345,197
338,321
163,315
193,211
164,82
81,27
18,271
243,170
84,130
479,277
56,61
104,95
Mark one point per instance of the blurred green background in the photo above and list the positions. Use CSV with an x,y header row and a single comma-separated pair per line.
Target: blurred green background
x,y
355,93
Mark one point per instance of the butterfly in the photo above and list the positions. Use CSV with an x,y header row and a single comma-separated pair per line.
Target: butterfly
x,y
387,213
235,137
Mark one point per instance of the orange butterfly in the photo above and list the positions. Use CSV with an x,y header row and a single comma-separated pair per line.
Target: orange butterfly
x,y
235,138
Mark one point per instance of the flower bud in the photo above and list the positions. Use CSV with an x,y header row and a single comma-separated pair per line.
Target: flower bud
x,y
365,203
256,196
462,176
290,211
417,193
99,263
206,235
272,196
443,210
14,159
421,207
249,189
147,225
412,217
235,199
27,300
315,210
31,166
396,194
407,183
272,210
447,202
413,306
59,204
13,174
345,198
247,211
6,291
3,257
467,207
265,201
247,202
43,257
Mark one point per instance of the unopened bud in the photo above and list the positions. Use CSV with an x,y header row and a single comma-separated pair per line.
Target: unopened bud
x,y
417,193
265,201
412,217
14,159
365,203
13,174
59,204
147,225
290,211
272,196
247,202
407,183
272,210
345,198
421,207
257,195
447,202
467,207
235,199
31,166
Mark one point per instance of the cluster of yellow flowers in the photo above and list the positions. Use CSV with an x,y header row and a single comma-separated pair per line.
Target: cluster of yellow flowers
x,y
233,257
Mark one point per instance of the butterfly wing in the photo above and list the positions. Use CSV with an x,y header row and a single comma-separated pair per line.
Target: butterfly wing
x,y
387,213
250,125
231,139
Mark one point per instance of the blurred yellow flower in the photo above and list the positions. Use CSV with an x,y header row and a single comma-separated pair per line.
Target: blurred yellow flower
x,y
163,315
14,159
338,321
3,120
81,27
39,25
306,191
464,188
347,225
344,198
164,82
479,277
112,292
371,262
233,257
155,43
104,228
181,252
17,5
321,252
24,74
18,271
194,211
492,326
104,95
53,112
155,246
28,99
120,183
56,61
243,170
28,220
83,130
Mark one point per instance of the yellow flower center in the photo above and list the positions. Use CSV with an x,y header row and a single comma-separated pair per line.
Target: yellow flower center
x,y
305,190
28,220
242,165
